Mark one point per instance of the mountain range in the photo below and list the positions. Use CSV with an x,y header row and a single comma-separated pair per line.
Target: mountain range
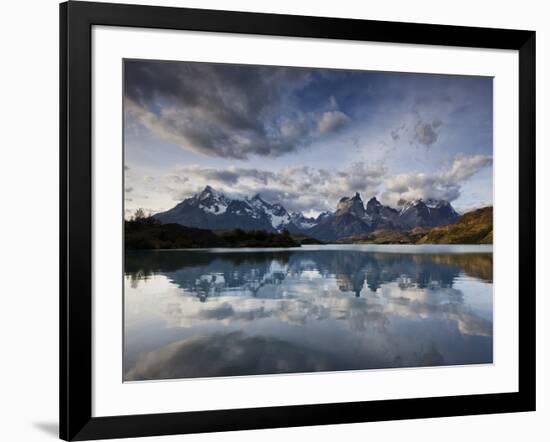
x,y
211,209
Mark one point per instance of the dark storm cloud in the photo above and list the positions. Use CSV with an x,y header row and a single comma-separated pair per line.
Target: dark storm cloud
x,y
225,110
427,133
228,176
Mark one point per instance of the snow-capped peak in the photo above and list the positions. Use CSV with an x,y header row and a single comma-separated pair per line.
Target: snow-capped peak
x,y
256,201
301,221
433,203
407,205
276,213
212,201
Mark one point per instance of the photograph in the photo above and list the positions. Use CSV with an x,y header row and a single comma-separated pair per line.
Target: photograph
x,y
287,219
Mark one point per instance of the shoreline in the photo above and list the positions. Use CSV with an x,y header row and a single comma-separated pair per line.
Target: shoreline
x,y
380,248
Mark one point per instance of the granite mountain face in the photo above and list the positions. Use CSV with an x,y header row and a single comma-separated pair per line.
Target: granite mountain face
x,y
213,210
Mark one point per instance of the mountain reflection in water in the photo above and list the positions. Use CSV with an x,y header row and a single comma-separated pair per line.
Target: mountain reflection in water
x,y
317,308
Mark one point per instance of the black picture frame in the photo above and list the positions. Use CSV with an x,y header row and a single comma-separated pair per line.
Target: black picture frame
x,y
76,21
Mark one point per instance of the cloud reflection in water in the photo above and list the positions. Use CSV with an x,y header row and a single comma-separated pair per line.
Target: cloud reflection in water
x,y
198,314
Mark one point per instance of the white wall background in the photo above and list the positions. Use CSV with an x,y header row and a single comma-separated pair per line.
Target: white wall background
x,y
29,221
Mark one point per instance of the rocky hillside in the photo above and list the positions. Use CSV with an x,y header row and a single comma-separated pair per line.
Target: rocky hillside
x,y
474,227
388,236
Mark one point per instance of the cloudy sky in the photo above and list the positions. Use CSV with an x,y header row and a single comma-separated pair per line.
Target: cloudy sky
x,y
304,137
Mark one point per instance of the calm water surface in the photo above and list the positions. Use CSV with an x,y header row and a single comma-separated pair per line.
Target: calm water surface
x,y
219,312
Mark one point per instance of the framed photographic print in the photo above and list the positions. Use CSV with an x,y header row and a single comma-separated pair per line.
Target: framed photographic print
x,y
272,220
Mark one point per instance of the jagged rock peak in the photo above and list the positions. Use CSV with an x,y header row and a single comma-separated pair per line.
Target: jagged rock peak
x,y
373,206
206,192
351,205
374,200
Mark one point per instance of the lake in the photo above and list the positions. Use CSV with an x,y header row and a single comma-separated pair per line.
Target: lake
x,y
231,312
